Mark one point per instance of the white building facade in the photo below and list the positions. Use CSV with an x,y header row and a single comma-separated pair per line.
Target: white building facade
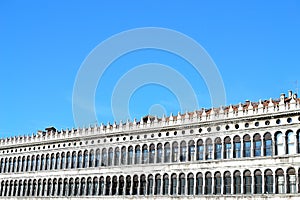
x,y
250,150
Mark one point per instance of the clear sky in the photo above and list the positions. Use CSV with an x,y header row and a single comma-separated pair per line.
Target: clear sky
x,y
256,47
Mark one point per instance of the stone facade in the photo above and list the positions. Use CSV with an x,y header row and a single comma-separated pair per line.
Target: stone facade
x,y
249,150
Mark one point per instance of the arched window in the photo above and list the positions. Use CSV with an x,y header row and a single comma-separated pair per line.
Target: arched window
x,y
68,161
76,189
247,146
137,154
209,149
200,150
117,156
190,184
6,165
38,162
191,153
89,187
145,154
34,188
269,181
247,182
79,161
110,156
157,185
183,151
135,185
166,185
1,167
218,148
151,153
42,163
280,181
52,165
27,165
268,144
173,184
23,164
24,188
82,188
290,142
102,183
10,164
159,153
182,184
227,183
114,185
237,147
85,159
49,188
257,145
227,147
123,155
199,184
208,183
279,150
14,168
128,185
143,185
97,162
71,187
174,152
291,180
92,158
167,153
130,155
218,183
73,160
150,185
121,185
104,157
59,187
19,164
96,185
57,163
257,182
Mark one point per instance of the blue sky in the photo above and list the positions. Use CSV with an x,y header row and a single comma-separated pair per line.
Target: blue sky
x,y
256,47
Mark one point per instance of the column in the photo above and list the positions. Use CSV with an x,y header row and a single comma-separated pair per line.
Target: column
x,y
222,184
284,143
274,183
273,146
88,160
296,141
162,153
204,151
131,185
76,159
231,148
126,155
252,182
97,189
133,156
242,183
242,148
252,147
263,183
186,188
